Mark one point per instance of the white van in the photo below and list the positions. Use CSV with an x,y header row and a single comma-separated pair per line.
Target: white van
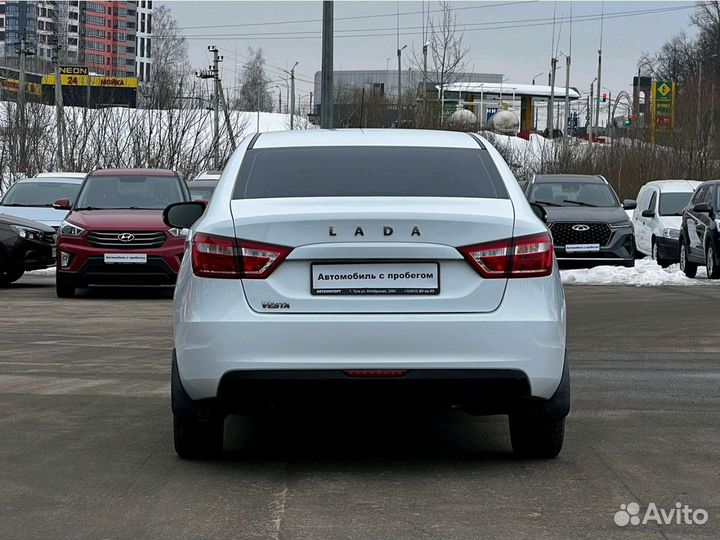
x,y
658,216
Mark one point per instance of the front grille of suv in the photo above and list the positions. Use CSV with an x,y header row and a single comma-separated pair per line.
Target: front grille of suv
x,y
126,240
563,233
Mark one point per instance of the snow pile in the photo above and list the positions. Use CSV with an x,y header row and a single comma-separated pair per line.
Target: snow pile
x,y
646,273
44,272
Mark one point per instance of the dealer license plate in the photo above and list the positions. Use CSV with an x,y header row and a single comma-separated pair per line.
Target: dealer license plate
x,y
376,279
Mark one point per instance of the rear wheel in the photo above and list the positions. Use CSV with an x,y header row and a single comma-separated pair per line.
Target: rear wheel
x,y
197,438
713,270
10,276
533,438
62,289
688,268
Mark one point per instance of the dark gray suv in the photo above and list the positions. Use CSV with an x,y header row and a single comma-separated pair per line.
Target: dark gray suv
x,y
588,224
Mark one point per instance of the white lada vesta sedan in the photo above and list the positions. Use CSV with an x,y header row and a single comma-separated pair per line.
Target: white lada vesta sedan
x,y
373,269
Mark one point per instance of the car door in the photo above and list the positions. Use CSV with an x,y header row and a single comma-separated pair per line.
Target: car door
x,y
705,219
649,222
692,221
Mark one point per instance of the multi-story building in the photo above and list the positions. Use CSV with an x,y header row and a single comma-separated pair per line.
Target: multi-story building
x,y
110,37
143,41
103,37
19,21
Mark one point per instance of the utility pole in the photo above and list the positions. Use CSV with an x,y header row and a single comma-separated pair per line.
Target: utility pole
x,y
425,51
551,103
599,91
59,113
23,52
227,118
399,56
214,73
326,111
566,133
590,110
292,95
279,99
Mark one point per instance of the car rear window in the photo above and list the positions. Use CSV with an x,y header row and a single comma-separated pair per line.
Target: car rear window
x,y
368,172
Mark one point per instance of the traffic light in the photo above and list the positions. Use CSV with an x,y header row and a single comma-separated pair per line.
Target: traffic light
x,y
628,120
604,98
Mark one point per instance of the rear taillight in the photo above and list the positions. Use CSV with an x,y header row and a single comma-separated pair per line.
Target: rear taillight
x,y
526,256
231,258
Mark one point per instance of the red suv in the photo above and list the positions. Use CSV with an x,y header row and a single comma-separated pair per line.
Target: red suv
x,y
114,233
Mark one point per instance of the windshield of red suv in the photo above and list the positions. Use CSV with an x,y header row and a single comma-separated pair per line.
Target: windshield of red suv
x,y
129,192
39,193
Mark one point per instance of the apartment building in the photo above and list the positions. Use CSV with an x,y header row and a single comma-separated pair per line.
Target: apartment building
x,y
110,37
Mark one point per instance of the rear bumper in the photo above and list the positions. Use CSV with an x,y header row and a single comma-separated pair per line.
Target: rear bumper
x,y
217,336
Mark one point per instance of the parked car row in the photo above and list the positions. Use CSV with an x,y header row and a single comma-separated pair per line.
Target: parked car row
x,y
121,211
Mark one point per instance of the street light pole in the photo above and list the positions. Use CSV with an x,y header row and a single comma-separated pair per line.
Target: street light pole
x,y
399,57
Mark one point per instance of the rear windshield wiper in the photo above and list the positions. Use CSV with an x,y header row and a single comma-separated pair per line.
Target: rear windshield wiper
x,y
17,205
546,203
89,208
580,203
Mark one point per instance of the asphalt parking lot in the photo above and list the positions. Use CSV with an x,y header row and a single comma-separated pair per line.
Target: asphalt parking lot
x,y
86,442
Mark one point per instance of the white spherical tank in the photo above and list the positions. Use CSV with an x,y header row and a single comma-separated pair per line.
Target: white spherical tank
x,y
462,117
505,122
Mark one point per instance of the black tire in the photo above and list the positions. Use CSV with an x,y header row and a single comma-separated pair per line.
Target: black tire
x,y
535,438
637,254
688,268
197,438
713,270
62,289
655,254
10,276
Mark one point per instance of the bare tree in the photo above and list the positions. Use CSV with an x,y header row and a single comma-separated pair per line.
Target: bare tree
x,y
447,53
254,92
170,66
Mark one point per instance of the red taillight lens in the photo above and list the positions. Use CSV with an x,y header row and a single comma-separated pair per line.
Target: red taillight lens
x,y
532,256
230,258
526,256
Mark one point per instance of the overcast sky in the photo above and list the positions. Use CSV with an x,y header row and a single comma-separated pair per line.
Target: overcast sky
x,y
518,52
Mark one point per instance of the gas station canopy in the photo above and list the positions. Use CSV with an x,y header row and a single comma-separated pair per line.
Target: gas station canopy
x,y
505,89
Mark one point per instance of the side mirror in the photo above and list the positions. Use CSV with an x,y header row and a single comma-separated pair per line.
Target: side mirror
x,y
539,211
184,214
629,204
62,204
648,213
702,208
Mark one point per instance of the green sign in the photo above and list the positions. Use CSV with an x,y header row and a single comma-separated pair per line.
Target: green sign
x,y
663,100
663,111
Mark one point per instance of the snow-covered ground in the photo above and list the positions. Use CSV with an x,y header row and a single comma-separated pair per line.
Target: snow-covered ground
x,y
646,273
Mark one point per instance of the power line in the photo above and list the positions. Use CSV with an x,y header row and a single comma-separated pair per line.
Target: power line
x,y
355,17
522,23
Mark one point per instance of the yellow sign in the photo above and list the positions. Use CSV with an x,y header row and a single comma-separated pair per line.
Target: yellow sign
x,y
13,85
664,89
105,81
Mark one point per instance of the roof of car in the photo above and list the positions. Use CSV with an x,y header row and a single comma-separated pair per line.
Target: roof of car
x,y
54,179
675,185
587,178
52,174
132,172
202,183
366,137
208,175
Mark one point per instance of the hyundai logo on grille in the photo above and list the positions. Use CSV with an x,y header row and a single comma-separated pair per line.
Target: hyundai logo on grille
x,y
126,237
581,228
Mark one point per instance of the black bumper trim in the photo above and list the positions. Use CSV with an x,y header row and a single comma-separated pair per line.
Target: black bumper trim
x,y
95,272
